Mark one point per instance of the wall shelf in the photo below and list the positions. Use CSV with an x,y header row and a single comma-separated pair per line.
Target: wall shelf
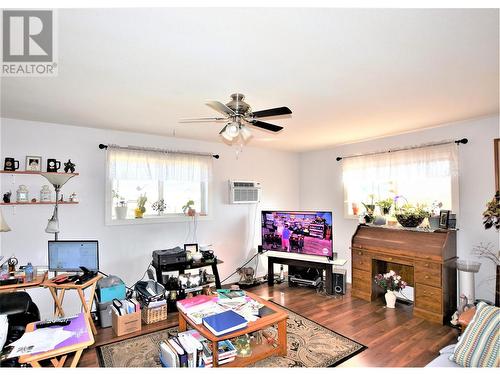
x,y
37,172
34,203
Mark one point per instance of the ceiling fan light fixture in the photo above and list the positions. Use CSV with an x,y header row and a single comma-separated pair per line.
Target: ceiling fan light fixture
x,y
233,129
224,134
245,133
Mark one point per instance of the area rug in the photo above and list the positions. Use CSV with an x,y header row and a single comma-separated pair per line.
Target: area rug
x,y
309,345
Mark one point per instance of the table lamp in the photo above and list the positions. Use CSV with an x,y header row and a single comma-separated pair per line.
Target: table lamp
x,y
4,227
57,180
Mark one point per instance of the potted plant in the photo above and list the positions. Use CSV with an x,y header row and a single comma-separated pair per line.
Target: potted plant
x,y
369,210
120,206
385,205
410,216
491,219
434,217
141,206
159,206
391,282
188,208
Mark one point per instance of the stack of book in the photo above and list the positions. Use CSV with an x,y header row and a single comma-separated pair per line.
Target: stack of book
x,y
190,349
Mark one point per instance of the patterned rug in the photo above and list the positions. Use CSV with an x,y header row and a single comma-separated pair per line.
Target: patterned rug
x,y
309,345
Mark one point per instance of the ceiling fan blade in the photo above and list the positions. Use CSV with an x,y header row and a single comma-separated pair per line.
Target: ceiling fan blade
x,y
265,125
219,107
272,112
202,119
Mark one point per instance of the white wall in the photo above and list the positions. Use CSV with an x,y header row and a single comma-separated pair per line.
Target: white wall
x,y
126,250
321,186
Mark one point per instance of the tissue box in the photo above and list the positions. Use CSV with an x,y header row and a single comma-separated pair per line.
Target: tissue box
x,y
107,294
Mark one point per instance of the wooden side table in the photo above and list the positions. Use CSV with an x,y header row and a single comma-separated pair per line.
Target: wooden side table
x,y
59,298
76,344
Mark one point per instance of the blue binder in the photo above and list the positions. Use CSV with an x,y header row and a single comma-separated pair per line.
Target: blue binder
x,y
224,322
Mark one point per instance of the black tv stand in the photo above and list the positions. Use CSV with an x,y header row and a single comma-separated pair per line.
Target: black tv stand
x,y
300,263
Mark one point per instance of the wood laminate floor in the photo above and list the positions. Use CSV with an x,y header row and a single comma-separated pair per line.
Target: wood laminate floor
x,y
393,336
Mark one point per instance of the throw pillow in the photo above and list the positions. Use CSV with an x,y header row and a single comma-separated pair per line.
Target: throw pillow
x,y
480,342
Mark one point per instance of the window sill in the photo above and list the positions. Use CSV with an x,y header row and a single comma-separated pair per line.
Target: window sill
x,y
158,220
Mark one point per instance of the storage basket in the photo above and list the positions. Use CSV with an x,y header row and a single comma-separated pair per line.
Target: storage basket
x,y
154,314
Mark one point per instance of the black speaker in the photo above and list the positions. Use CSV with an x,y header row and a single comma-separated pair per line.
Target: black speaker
x,y
338,280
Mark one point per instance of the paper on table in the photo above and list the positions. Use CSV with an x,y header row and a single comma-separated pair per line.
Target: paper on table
x,y
40,340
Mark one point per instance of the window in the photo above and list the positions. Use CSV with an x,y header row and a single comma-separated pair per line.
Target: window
x,y
423,175
171,178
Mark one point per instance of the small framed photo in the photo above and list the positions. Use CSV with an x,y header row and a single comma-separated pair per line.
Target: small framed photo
x,y
34,163
444,218
192,247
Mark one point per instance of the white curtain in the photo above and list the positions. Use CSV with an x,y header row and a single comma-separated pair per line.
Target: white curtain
x,y
422,175
127,164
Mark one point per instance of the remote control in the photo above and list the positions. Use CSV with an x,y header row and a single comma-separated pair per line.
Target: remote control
x,y
52,323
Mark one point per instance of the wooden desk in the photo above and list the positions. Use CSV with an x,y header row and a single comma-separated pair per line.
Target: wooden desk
x,y
277,316
59,298
37,281
425,260
75,344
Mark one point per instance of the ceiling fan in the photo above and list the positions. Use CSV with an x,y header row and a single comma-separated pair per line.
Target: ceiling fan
x,y
238,114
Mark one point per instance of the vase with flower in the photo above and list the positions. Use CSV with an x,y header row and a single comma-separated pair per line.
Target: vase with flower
x,y
391,282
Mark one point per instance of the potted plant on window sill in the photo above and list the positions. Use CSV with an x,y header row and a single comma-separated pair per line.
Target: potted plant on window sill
x,y
141,206
188,208
120,207
410,216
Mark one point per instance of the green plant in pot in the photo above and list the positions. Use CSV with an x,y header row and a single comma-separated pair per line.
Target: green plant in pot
x,y
188,208
369,210
141,206
411,216
385,205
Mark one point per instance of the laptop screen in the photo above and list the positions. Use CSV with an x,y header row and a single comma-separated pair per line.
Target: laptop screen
x,y
69,256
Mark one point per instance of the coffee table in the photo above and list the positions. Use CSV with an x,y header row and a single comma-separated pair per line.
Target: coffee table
x,y
274,315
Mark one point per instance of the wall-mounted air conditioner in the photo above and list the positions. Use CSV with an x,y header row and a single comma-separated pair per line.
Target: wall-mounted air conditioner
x,y
244,191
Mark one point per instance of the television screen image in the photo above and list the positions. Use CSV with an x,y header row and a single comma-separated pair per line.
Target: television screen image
x,y
69,256
299,232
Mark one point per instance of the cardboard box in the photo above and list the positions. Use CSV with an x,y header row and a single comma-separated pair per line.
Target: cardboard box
x,y
127,323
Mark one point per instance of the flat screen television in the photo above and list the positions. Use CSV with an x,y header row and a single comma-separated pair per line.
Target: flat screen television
x,y
299,232
69,256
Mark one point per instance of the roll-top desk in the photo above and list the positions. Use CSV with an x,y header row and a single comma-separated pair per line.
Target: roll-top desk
x,y
426,260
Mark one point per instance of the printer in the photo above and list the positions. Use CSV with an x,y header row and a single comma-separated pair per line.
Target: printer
x,y
169,256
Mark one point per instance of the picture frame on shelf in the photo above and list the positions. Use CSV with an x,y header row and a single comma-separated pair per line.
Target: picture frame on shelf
x,y
444,218
192,247
34,163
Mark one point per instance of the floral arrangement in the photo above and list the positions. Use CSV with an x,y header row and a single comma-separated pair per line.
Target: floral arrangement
x,y
390,281
120,200
491,217
385,205
141,202
159,206
410,215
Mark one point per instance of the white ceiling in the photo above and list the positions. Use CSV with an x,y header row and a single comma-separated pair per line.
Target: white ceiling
x,y
347,74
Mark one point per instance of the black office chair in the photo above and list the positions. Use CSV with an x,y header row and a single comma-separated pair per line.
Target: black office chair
x,y
20,311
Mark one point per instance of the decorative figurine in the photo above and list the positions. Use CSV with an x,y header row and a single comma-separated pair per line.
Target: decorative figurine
x,y
53,165
73,197
6,197
33,200
45,194
69,167
22,194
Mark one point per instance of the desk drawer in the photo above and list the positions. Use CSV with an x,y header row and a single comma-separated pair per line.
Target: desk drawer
x,y
361,260
428,273
361,281
429,298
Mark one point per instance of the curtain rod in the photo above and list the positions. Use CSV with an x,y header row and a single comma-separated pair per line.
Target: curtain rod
x,y
459,141
137,148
